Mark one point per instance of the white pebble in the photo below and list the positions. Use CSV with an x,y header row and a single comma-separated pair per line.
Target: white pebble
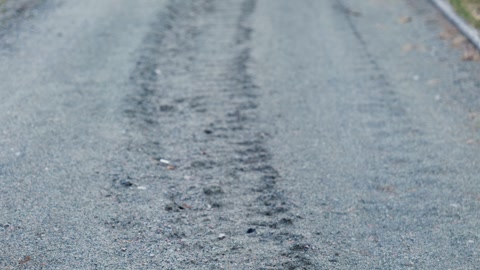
x,y
164,161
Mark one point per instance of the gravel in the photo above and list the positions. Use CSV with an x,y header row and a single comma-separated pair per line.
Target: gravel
x,y
228,134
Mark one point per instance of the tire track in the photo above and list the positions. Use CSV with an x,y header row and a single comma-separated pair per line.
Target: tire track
x,y
196,106
404,170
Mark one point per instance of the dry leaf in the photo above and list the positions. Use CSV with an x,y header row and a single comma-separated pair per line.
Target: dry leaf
x,y
186,206
473,115
408,47
459,40
447,34
470,55
405,19
25,260
432,82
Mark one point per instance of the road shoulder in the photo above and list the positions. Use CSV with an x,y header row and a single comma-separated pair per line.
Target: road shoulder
x,y
469,31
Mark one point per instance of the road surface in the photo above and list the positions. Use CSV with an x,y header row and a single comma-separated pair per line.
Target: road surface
x,y
237,134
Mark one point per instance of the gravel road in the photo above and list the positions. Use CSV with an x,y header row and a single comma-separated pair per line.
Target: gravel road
x,y
236,134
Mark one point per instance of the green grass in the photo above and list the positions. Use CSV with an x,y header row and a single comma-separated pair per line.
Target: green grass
x,y
469,10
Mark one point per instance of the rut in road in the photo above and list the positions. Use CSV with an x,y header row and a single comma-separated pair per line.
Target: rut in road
x,y
196,106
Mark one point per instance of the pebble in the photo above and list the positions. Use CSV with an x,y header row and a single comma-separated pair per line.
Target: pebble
x,y
164,161
126,183
213,190
222,236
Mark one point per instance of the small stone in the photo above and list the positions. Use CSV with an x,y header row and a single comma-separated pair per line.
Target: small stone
x,y
126,183
170,207
216,204
164,161
300,247
222,236
251,230
213,190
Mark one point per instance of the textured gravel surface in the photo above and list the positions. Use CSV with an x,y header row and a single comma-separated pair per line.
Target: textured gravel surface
x,y
11,11
237,134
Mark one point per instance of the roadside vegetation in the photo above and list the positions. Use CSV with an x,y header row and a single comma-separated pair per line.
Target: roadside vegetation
x,y
468,9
